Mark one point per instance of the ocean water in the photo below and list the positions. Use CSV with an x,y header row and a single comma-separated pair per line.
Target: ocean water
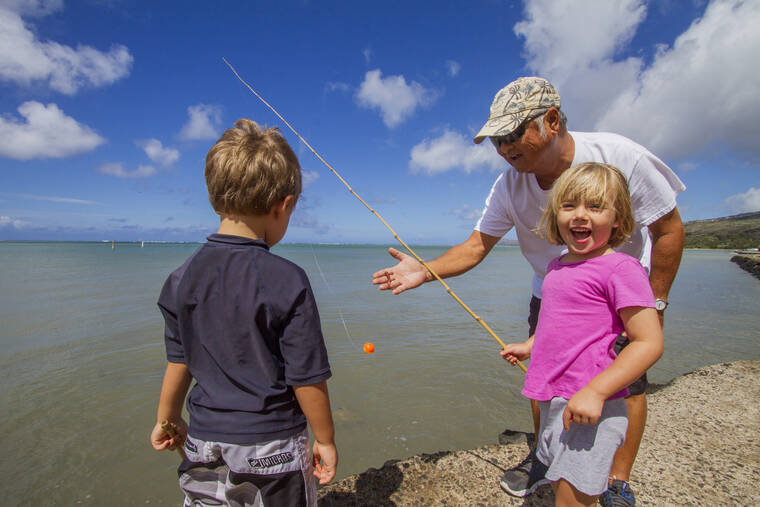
x,y
82,358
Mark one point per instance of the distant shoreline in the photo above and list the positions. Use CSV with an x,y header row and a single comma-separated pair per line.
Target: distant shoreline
x,y
507,243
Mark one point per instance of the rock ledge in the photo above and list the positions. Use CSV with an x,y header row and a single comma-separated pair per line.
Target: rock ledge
x,y
701,447
749,263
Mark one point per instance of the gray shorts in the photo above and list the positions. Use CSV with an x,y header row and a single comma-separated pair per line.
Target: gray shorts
x,y
267,474
583,454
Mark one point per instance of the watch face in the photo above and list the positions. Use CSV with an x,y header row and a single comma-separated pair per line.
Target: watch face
x,y
660,304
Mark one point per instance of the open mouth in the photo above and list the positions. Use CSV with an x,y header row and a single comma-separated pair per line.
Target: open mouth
x,y
580,233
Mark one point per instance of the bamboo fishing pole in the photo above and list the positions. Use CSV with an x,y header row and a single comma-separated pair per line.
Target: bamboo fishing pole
x,y
398,238
167,427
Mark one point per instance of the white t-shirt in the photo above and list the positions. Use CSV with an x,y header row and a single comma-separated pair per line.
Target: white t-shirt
x,y
516,200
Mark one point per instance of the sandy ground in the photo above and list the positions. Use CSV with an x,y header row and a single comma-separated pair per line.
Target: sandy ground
x,y
701,447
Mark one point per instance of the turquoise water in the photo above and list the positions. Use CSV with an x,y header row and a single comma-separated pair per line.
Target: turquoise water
x,y
82,359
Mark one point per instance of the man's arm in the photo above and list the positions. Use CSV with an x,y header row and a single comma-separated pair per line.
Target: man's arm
x,y
668,238
409,273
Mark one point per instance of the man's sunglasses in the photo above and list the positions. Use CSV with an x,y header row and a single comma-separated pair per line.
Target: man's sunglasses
x,y
515,135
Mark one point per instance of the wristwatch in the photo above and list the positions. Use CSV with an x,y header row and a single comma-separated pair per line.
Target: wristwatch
x,y
660,304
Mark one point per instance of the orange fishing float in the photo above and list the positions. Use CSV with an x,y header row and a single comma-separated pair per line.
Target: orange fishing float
x,y
369,348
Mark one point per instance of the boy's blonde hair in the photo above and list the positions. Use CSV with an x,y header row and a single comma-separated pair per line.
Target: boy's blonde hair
x,y
249,169
591,182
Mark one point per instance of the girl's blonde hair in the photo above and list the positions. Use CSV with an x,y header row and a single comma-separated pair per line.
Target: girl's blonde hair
x,y
592,182
249,169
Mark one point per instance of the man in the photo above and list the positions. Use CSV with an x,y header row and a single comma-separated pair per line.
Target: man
x,y
529,131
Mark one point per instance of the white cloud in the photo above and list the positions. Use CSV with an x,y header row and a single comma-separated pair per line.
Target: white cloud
x,y
116,169
746,202
158,153
202,123
466,213
32,7
44,132
367,55
555,46
705,82
580,62
25,59
11,223
395,99
453,67
338,86
452,150
309,177
67,200
301,218
702,91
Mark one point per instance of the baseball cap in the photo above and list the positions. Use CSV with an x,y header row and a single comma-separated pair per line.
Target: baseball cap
x,y
523,97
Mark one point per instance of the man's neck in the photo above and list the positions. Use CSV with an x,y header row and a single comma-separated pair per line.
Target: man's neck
x,y
562,156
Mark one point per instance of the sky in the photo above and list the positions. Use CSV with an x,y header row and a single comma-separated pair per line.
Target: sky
x,y
108,107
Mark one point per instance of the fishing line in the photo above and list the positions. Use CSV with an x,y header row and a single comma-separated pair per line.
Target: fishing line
x,y
408,248
324,279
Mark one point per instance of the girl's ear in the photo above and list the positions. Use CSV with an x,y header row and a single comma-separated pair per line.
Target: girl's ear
x,y
615,226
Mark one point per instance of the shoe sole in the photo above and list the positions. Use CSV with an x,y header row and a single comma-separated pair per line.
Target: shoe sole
x,y
523,492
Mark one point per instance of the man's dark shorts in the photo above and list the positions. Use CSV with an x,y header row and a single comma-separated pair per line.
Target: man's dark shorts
x,y
639,386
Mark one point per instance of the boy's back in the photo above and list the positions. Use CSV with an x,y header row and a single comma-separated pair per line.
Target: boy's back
x,y
243,323
246,324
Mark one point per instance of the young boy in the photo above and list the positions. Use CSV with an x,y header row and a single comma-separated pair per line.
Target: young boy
x,y
244,324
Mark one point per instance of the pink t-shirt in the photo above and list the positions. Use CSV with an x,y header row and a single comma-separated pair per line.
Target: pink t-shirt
x,y
579,322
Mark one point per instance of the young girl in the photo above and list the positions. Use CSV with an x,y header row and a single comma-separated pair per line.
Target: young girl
x,y
590,295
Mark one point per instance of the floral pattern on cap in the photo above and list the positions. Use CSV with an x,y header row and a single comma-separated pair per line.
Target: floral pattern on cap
x,y
523,98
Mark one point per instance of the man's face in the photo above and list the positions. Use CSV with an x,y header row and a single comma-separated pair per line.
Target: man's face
x,y
528,153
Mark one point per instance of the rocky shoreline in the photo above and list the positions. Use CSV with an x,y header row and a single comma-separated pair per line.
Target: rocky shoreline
x,y
701,447
748,262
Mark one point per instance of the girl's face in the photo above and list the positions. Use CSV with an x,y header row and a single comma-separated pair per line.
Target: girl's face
x,y
585,228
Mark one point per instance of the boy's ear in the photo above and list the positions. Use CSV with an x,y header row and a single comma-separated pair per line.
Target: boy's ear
x,y
286,204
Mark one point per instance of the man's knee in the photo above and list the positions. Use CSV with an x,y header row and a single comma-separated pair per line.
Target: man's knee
x,y
637,411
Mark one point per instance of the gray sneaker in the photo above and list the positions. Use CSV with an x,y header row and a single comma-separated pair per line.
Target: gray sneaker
x,y
523,479
618,494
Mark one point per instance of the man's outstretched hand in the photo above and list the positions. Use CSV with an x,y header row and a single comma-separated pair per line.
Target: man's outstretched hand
x,y
405,275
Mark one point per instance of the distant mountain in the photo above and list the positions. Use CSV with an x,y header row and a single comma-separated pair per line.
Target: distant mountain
x,y
734,232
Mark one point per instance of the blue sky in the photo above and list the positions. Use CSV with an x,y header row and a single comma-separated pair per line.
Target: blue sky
x,y
108,107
